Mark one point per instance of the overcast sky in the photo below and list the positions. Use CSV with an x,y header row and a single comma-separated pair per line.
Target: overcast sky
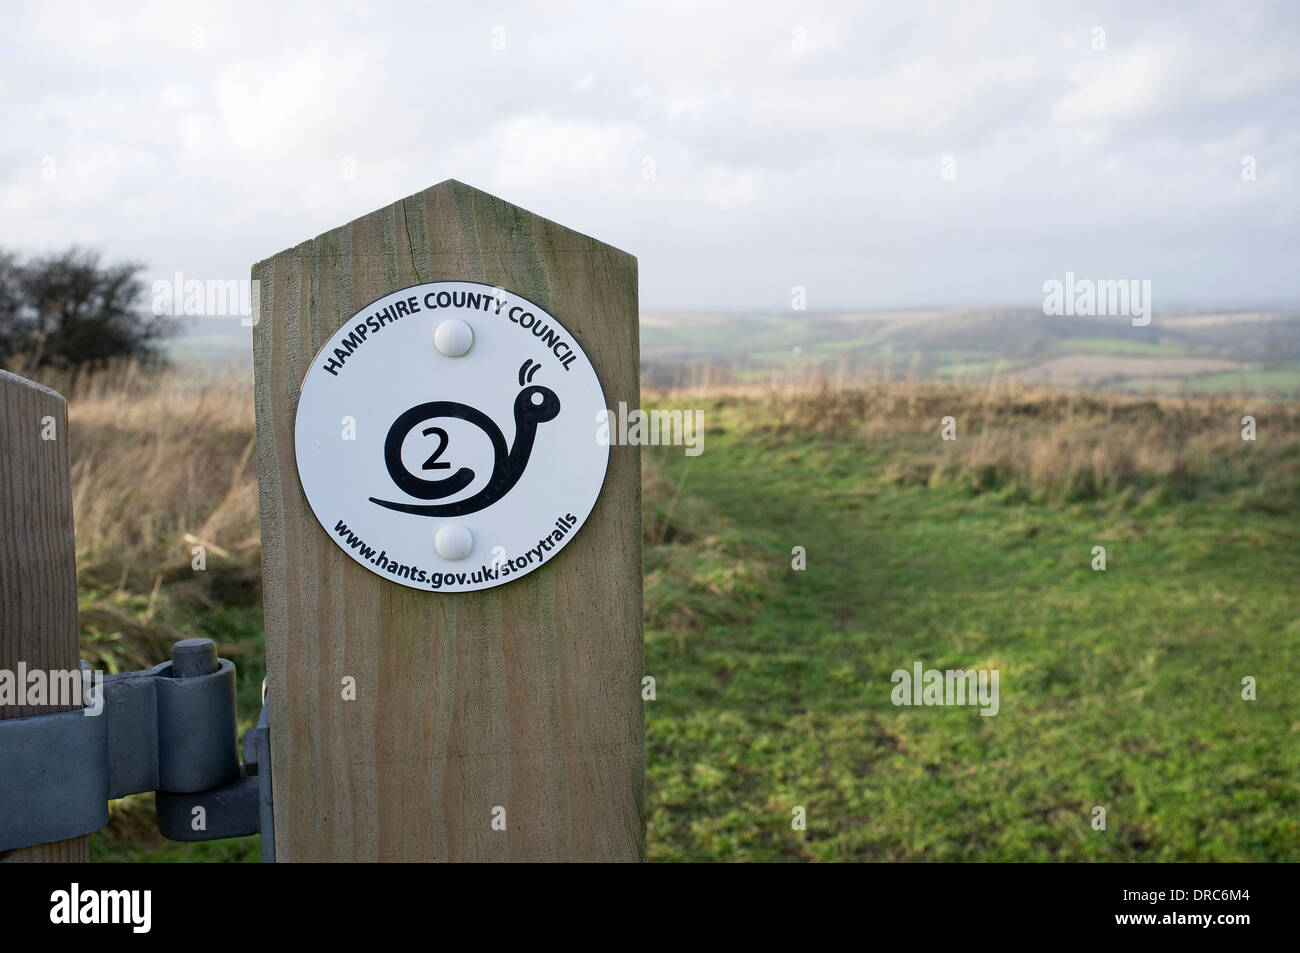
x,y
737,150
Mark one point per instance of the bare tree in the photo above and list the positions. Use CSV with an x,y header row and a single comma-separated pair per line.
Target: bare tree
x,y
68,309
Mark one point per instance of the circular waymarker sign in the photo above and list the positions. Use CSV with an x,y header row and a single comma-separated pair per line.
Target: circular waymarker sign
x,y
447,436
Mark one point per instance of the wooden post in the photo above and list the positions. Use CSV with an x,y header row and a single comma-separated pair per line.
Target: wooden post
x,y
525,697
38,561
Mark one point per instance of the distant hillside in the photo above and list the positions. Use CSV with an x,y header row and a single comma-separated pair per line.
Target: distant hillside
x,y
1245,351
210,342
1253,352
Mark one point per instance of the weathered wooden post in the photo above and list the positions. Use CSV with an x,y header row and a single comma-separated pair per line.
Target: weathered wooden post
x,y
38,568
451,553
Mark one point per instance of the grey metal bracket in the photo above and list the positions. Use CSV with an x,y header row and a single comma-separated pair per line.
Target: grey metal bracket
x,y
169,729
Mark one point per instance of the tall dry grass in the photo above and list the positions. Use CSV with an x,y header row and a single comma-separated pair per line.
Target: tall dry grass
x,y
1048,444
159,457
163,462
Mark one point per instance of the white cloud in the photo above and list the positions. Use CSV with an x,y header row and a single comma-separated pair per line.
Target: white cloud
x,y
1117,85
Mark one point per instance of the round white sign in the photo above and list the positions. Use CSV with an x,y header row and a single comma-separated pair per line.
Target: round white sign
x,y
447,436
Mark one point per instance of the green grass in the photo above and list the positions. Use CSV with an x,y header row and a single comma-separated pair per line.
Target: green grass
x,y
1122,346
1118,688
980,370
1282,381
1264,381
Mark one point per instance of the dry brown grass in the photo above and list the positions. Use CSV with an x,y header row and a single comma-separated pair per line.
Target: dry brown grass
x,y
1058,445
160,457
161,461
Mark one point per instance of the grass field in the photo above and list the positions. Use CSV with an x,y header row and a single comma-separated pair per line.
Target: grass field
x,y
1119,689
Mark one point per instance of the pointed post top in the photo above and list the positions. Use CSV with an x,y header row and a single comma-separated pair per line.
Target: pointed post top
x,y
467,200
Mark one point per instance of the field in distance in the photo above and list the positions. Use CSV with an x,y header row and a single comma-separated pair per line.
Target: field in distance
x,y
1249,352
1253,352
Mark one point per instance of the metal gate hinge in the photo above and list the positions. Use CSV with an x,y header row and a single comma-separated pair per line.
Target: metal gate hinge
x,y
169,729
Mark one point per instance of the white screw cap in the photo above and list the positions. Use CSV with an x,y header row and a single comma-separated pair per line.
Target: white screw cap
x,y
453,337
454,541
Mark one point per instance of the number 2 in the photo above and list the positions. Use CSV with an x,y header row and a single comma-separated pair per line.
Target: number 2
x,y
432,463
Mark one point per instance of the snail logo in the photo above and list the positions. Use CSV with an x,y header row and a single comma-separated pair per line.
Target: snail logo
x,y
424,462
534,405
